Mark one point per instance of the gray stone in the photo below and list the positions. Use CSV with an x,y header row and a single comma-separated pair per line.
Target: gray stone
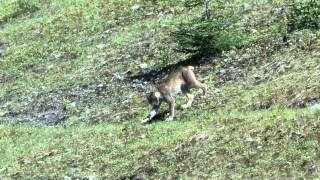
x,y
143,66
135,7
315,108
101,46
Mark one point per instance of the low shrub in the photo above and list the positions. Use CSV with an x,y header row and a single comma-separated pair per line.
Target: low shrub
x,y
208,37
216,31
304,15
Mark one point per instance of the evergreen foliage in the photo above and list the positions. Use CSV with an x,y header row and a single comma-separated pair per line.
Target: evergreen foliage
x,y
211,35
304,15
208,37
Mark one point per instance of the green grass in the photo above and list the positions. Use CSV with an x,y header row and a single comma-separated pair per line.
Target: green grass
x,y
237,145
245,127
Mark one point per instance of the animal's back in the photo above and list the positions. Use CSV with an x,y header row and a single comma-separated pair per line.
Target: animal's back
x,y
175,79
179,73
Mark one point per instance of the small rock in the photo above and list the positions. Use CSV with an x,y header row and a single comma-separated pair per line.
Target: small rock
x,y
143,136
57,55
90,177
2,113
249,139
315,108
164,26
101,46
37,33
279,10
125,101
118,77
281,70
257,77
297,135
52,117
254,31
143,66
100,85
222,71
136,81
202,137
245,6
135,7
73,104
138,86
149,14
2,170
67,178
217,90
51,66
136,177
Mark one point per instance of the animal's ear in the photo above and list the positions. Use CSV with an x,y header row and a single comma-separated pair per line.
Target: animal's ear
x,y
157,94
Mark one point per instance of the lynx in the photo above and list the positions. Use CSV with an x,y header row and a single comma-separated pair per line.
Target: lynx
x,y
180,80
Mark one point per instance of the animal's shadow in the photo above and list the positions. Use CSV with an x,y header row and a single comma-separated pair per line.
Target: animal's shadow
x,y
156,73
161,116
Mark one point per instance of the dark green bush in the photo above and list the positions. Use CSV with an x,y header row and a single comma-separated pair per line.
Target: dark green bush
x,y
304,15
193,3
208,37
27,6
216,31
23,7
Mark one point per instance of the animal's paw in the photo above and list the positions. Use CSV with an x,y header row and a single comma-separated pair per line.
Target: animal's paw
x,y
185,106
145,120
205,89
170,118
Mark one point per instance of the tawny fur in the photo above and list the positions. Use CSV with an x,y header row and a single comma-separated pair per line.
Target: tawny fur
x,y
180,80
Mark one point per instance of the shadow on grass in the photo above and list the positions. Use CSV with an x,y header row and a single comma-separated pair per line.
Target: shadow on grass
x,y
161,116
194,60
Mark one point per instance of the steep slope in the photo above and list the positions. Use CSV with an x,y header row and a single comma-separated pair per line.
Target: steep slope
x,y
69,65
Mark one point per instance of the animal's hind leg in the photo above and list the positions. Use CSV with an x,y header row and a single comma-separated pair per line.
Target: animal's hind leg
x,y
190,100
194,83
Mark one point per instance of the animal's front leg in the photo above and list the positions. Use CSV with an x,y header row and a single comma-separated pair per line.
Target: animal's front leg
x,y
153,113
171,107
190,100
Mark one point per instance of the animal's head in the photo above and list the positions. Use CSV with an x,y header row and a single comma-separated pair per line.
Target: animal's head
x,y
154,98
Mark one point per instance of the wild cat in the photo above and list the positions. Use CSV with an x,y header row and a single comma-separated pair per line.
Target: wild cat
x,y
181,80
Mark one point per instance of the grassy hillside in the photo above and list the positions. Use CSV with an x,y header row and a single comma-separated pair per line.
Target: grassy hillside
x,y
72,93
